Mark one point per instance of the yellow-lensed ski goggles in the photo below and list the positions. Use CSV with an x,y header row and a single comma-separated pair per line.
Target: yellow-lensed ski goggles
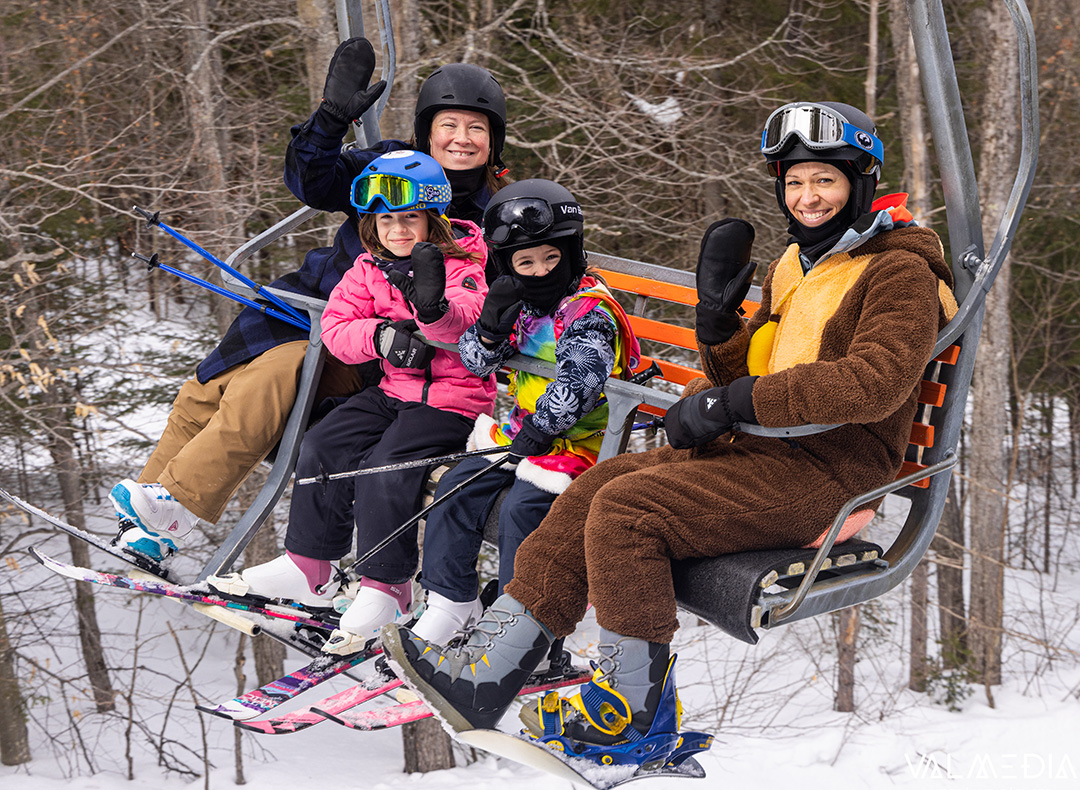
x,y
395,193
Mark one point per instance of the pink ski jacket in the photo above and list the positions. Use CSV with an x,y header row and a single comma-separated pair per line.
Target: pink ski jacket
x,y
365,298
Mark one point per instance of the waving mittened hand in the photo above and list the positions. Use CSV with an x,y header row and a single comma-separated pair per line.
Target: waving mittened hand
x,y
346,95
501,309
429,282
724,274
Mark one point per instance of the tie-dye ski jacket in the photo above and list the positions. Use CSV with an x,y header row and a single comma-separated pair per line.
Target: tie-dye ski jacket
x,y
588,338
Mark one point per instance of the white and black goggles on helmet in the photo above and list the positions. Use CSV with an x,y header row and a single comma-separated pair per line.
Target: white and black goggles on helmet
x,y
819,128
532,216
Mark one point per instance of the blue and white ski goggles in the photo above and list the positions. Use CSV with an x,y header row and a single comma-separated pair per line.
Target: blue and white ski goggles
x,y
819,128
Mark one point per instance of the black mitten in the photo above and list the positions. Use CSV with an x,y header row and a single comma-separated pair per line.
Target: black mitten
x,y
698,419
429,282
529,441
724,274
346,95
396,343
501,309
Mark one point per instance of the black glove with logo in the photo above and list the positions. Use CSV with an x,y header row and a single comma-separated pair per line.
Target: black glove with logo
x,y
346,95
700,418
396,343
501,309
724,274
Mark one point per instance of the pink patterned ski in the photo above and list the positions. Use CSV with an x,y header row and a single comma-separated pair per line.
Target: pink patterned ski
x,y
303,718
406,712
263,699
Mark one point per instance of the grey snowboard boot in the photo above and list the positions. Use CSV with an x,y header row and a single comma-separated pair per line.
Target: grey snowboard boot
x,y
470,686
629,678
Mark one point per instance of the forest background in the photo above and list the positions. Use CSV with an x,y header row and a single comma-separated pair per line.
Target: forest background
x,y
648,111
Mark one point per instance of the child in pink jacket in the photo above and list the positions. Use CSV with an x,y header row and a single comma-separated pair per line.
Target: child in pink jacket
x,y
420,272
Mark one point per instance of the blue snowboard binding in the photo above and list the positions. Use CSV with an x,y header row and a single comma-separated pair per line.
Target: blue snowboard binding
x,y
601,710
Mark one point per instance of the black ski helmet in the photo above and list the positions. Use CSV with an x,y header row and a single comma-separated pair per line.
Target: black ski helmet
x,y
855,148
461,86
533,212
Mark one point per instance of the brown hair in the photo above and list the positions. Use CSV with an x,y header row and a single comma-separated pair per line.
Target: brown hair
x,y
439,234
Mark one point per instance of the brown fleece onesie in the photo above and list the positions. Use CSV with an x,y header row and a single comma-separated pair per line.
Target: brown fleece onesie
x,y
611,536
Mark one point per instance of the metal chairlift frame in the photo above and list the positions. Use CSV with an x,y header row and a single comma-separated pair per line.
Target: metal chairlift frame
x,y
974,274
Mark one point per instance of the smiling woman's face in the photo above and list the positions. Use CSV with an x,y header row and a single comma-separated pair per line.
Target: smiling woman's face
x,y
815,192
460,139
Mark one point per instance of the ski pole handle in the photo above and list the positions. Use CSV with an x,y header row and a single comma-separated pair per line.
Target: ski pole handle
x,y
397,533
153,219
153,263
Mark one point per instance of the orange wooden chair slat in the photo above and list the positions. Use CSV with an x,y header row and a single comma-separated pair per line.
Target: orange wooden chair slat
x,y
949,355
680,294
922,434
932,392
648,329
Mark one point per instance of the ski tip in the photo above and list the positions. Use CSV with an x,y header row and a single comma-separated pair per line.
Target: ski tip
x,y
227,712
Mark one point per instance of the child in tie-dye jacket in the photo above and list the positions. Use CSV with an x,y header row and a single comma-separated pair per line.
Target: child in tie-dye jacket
x,y
545,305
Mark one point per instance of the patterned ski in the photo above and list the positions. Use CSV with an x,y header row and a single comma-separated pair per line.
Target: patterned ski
x,y
303,718
406,712
195,593
265,698
141,563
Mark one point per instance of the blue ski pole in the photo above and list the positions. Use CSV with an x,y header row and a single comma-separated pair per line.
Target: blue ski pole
x,y
152,219
153,263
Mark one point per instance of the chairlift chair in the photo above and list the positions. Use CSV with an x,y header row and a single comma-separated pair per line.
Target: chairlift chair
x,y
738,592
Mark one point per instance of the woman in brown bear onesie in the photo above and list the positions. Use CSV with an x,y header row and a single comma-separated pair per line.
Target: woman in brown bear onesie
x,y
847,324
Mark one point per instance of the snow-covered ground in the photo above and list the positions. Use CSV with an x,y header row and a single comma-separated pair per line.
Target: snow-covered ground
x,y
770,707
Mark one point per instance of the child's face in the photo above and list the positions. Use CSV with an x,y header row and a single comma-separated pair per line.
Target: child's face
x,y
535,261
400,230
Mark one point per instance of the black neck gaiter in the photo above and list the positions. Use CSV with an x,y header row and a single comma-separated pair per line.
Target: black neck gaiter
x,y
465,182
815,242
545,292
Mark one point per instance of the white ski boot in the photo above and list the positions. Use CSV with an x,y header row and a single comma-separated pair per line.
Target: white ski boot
x,y
443,618
282,579
376,604
153,523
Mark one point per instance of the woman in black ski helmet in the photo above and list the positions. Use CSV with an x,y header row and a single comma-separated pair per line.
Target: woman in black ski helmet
x,y
460,120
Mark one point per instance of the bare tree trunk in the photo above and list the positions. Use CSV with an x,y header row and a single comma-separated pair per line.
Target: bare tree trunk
x,y
916,179
917,652
238,739
14,740
1048,461
427,747
320,40
61,448
206,110
847,639
269,653
948,546
870,86
998,146
397,120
